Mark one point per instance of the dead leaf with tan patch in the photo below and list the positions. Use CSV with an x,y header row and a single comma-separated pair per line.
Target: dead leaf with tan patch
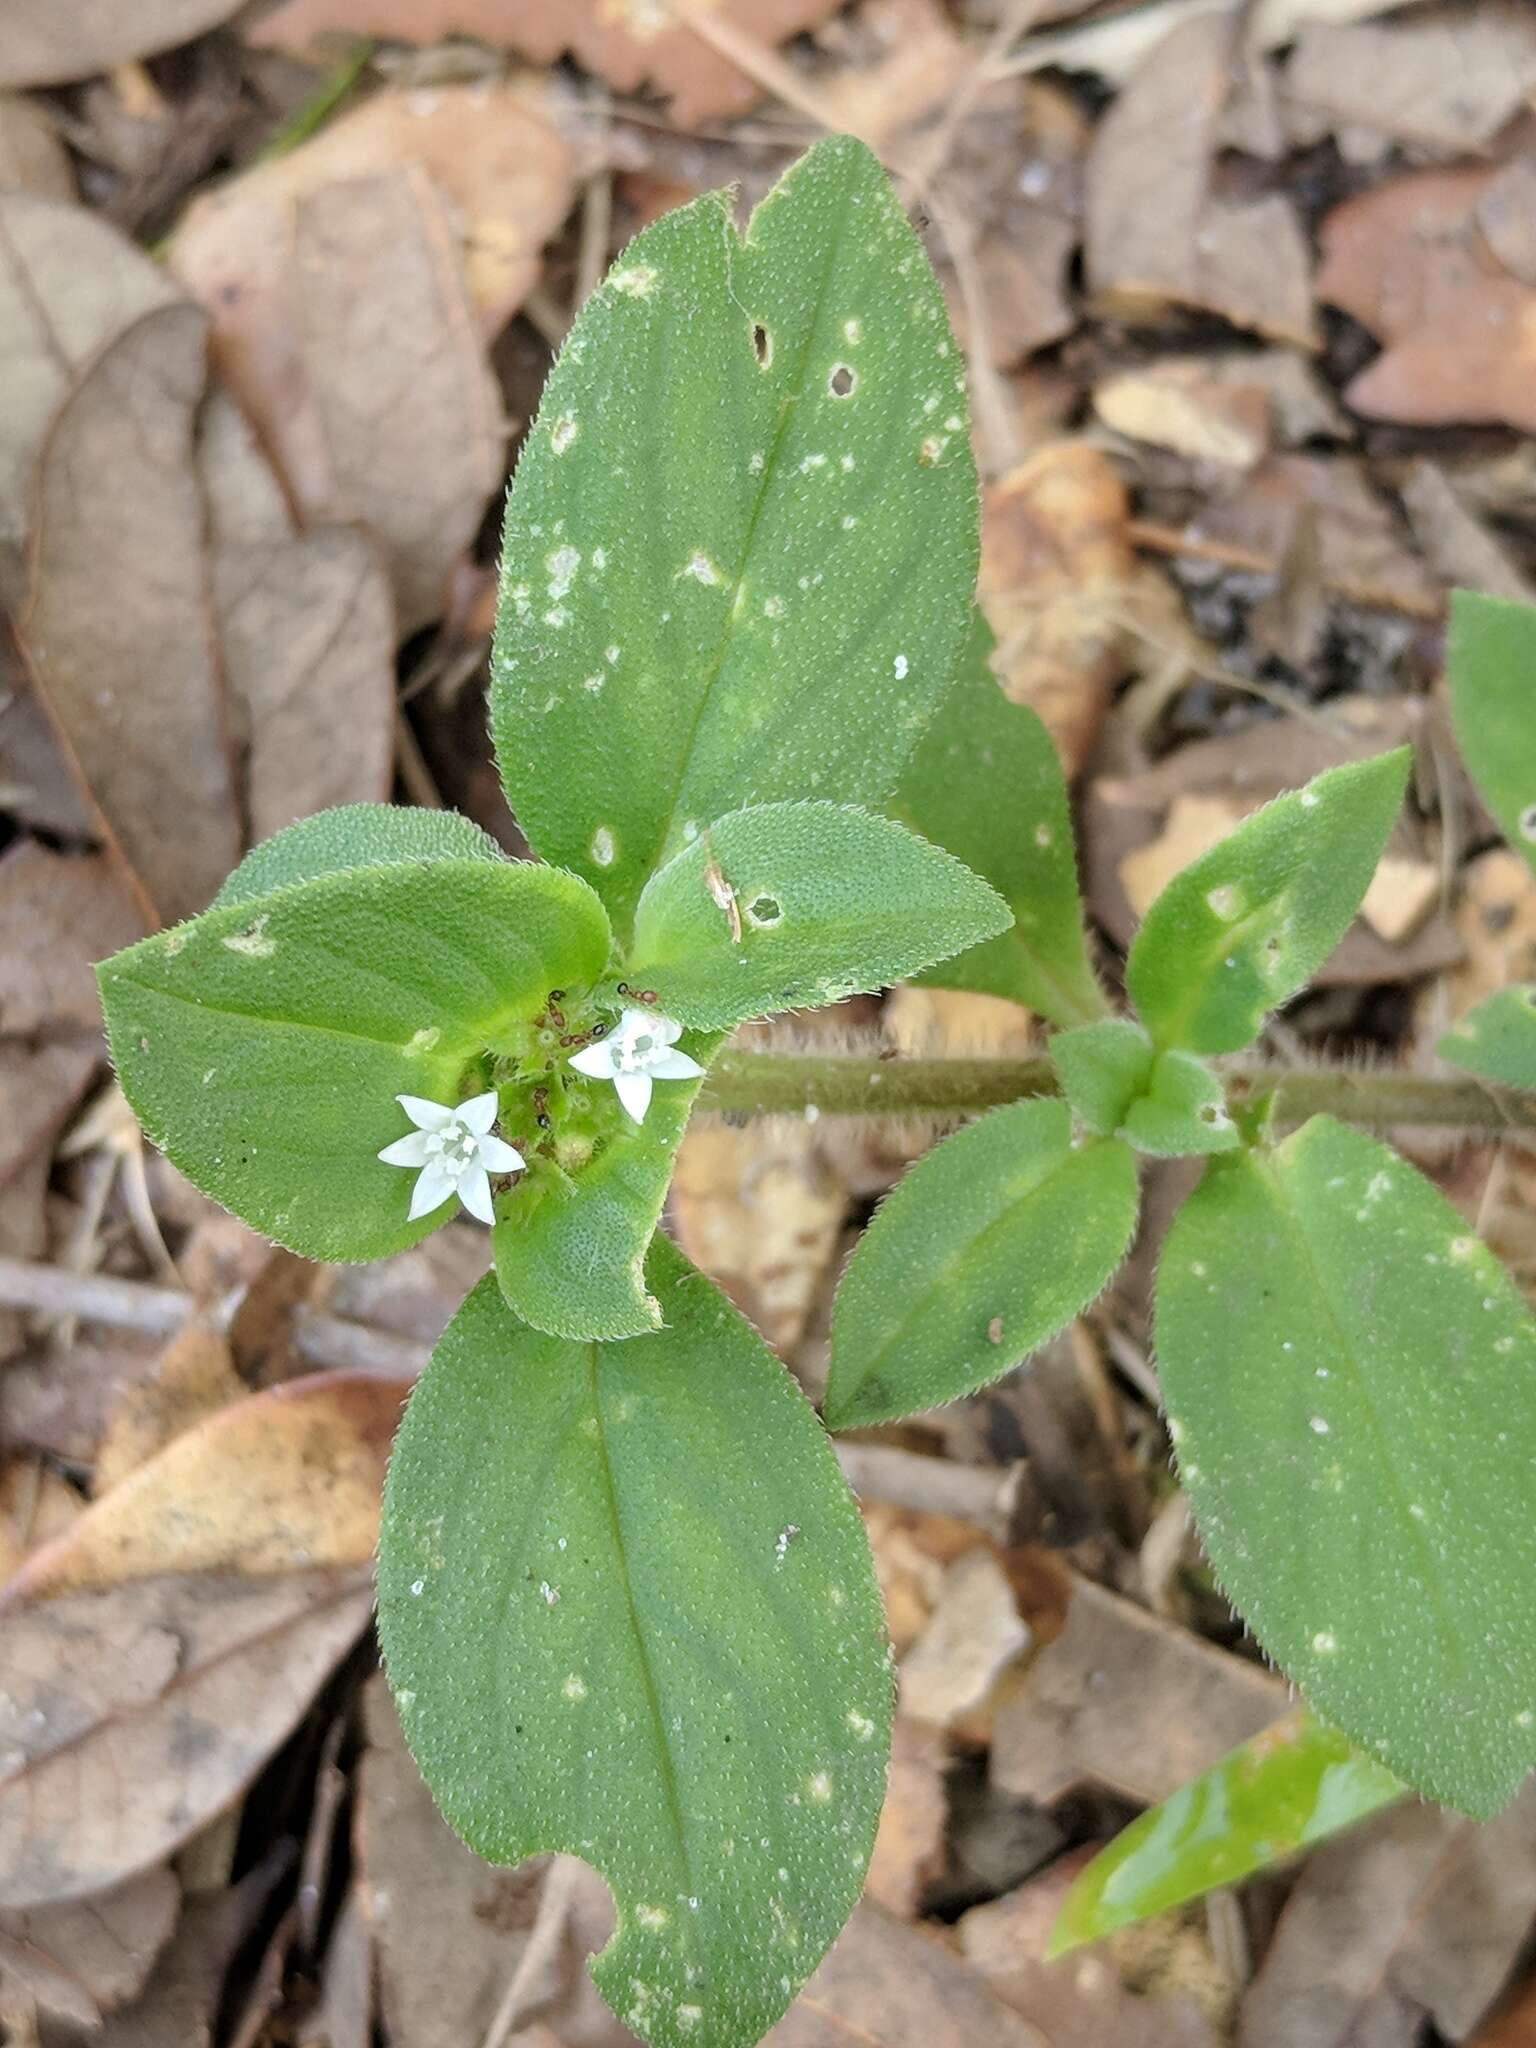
x,y
32,157
45,44
1159,233
85,1959
631,44
1180,406
1445,81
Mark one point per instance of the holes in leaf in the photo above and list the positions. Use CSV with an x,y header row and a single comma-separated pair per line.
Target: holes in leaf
x,y
764,912
841,381
1212,1113
762,344
1528,822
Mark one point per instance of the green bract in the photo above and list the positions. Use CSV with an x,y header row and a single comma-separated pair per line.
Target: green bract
x,y
742,542
654,1640
987,1248
1351,1383
1240,931
1492,664
792,905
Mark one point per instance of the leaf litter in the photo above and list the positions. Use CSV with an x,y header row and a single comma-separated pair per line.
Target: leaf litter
x,y
1247,302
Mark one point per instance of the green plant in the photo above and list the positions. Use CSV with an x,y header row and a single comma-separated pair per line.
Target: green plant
x,y
743,711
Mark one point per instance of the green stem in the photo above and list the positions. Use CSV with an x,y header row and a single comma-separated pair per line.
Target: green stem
x,y
846,1084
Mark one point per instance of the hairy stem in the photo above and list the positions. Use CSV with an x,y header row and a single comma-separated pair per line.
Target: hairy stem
x,y
847,1084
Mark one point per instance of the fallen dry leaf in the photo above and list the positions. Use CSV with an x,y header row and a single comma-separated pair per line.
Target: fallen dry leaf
x,y
1417,1915
135,1713
45,44
1158,235
1506,214
974,1637
1125,1699
36,1505
32,158
1457,544
69,284
1178,404
1445,81
193,1379
307,634
181,2001
117,552
886,1985
632,44
1056,564
58,914
909,1847
84,1959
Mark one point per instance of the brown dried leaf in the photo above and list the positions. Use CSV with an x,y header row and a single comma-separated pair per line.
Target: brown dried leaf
x,y
1178,404
46,44
180,2004
1056,564
1125,1699
1460,548
1157,234
1022,278
1506,214
974,1638
1446,80
58,914
1417,1915
885,1985
307,630
909,1847
85,1959
632,44
118,552
134,1713
69,284
36,786
36,1504
193,1379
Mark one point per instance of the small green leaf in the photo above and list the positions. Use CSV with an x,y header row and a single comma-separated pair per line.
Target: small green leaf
x,y
1350,1379
788,906
988,1247
986,782
1182,1112
1491,660
741,543
1249,923
571,1260
1498,1038
1103,1068
1290,1787
354,836
263,1044
629,1612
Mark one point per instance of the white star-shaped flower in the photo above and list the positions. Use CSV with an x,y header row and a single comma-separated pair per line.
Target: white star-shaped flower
x,y
637,1051
456,1153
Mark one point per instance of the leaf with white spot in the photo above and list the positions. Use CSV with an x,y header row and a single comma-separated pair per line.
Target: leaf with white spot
x,y
986,782
1497,1039
790,906
354,836
989,1246
629,1612
741,543
1491,661
263,1044
1350,1379
1249,923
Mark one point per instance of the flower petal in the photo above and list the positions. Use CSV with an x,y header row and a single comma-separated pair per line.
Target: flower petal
x,y
432,1189
634,1093
479,1113
499,1156
596,1060
475,1193
675,1066
426,1116
665,1030
411,1150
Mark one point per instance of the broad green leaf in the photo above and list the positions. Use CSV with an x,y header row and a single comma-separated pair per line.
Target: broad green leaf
x,y
986,782
1498,1038
263,1044
993,1242
629,1612
354,836
741,543
1350,1378
1290,1787
788,906
572,1259
1103,1068
1249,923
1491,659
1182,1112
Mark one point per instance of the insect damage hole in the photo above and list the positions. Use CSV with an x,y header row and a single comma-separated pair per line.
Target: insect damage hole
x,y
1528,822
762,344
842,381
765,912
